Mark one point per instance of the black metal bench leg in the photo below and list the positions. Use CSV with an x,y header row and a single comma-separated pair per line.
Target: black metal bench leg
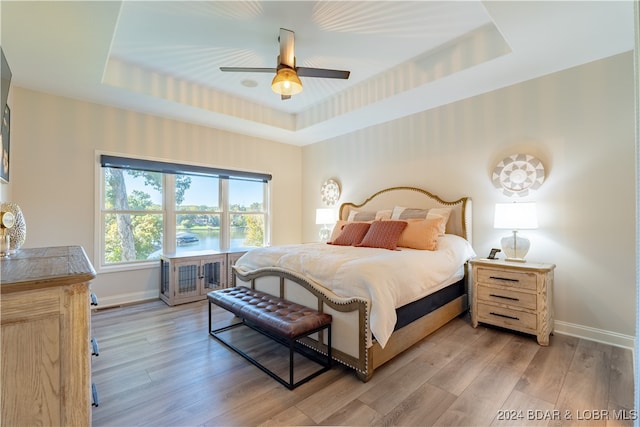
x,y
291,380
329,358
325,366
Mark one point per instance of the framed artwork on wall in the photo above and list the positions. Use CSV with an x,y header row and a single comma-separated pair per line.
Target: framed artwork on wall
x,y
6,128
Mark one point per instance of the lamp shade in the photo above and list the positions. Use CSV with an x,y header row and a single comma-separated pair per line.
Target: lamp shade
x,y
516,216
326,216
286,82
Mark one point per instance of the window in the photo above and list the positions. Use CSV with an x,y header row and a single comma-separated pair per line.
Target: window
x,y
132,215
198,213
150,207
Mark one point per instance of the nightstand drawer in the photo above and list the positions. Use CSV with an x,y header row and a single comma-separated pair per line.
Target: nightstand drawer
x,y
507,296
517,279
512,319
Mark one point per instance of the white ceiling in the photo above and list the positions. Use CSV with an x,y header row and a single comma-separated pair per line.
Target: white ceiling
x,y
163,57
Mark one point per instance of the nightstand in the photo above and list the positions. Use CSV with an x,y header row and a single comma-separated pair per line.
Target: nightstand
x,y
514,295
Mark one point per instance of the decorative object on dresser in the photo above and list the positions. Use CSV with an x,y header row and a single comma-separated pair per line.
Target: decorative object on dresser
x,y
326,217
514,296
7,220
18,232
515,216
45,328
189,276
518,174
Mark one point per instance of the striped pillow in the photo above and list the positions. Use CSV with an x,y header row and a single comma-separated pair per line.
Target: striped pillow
x,y
383,234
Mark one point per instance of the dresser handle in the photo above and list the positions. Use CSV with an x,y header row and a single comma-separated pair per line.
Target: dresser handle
x,y
94,395
94,346
504,297
506,279
504,315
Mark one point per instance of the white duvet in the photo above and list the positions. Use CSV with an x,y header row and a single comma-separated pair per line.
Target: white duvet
x,y
388,279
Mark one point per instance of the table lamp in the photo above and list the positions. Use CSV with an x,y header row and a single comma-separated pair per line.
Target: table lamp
x,y
515,216
325,217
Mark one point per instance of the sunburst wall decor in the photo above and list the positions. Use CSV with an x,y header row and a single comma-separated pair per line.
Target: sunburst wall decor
x,y
330,192
518,174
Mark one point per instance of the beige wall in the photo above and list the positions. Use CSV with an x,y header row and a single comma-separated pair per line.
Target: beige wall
x,y
53,157
579,123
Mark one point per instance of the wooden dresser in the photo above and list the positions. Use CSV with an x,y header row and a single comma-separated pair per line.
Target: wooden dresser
x,y
514,295
45,326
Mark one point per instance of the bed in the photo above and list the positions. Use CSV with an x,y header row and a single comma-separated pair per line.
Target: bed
x,y
382,301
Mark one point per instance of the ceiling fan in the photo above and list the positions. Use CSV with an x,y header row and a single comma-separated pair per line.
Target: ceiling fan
x,y
287,76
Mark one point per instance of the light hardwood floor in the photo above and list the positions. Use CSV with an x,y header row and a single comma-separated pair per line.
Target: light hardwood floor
x,y
158,366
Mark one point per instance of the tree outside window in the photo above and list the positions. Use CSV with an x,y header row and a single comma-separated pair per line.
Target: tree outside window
x,y
135,214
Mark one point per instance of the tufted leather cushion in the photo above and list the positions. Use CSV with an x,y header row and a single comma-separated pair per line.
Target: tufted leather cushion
x,y
275,314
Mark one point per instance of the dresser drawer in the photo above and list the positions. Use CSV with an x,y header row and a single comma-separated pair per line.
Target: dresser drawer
x,y
507,318
507,296
517,279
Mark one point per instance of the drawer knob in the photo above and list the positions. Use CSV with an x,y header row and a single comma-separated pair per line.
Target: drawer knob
x,y
504,315
504,297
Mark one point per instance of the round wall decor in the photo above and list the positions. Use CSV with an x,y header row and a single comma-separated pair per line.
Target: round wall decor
x,y
330,192
518,174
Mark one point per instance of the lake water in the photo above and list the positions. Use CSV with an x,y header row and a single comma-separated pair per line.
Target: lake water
x,y
207,240
210,239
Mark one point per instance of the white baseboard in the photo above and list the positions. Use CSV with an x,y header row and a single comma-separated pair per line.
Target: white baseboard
x,y
126,299
593,334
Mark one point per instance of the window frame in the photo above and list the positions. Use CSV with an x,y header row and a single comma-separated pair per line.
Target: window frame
x,y
169,211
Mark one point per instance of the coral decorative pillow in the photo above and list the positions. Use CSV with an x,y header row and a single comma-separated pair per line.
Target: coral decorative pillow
x,y
421,234
337,229
383,234
352,234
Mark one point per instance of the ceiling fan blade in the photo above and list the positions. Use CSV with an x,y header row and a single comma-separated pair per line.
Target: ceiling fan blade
x,y
248,70
285,97
321,72
287,44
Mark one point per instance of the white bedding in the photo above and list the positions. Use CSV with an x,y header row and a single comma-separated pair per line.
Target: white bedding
x,y
388,279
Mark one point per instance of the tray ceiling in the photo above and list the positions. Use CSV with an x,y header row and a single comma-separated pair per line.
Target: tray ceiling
x,y
163,57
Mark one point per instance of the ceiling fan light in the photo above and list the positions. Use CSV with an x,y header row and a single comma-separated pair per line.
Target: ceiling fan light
x,y
286,82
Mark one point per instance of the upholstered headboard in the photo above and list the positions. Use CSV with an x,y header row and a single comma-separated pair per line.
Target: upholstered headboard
x,y
410,197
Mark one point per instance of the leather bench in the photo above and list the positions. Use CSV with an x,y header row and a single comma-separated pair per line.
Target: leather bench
x,y
280,319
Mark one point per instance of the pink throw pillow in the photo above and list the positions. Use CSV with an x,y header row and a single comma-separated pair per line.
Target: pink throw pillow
x,y
383,234
352,234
